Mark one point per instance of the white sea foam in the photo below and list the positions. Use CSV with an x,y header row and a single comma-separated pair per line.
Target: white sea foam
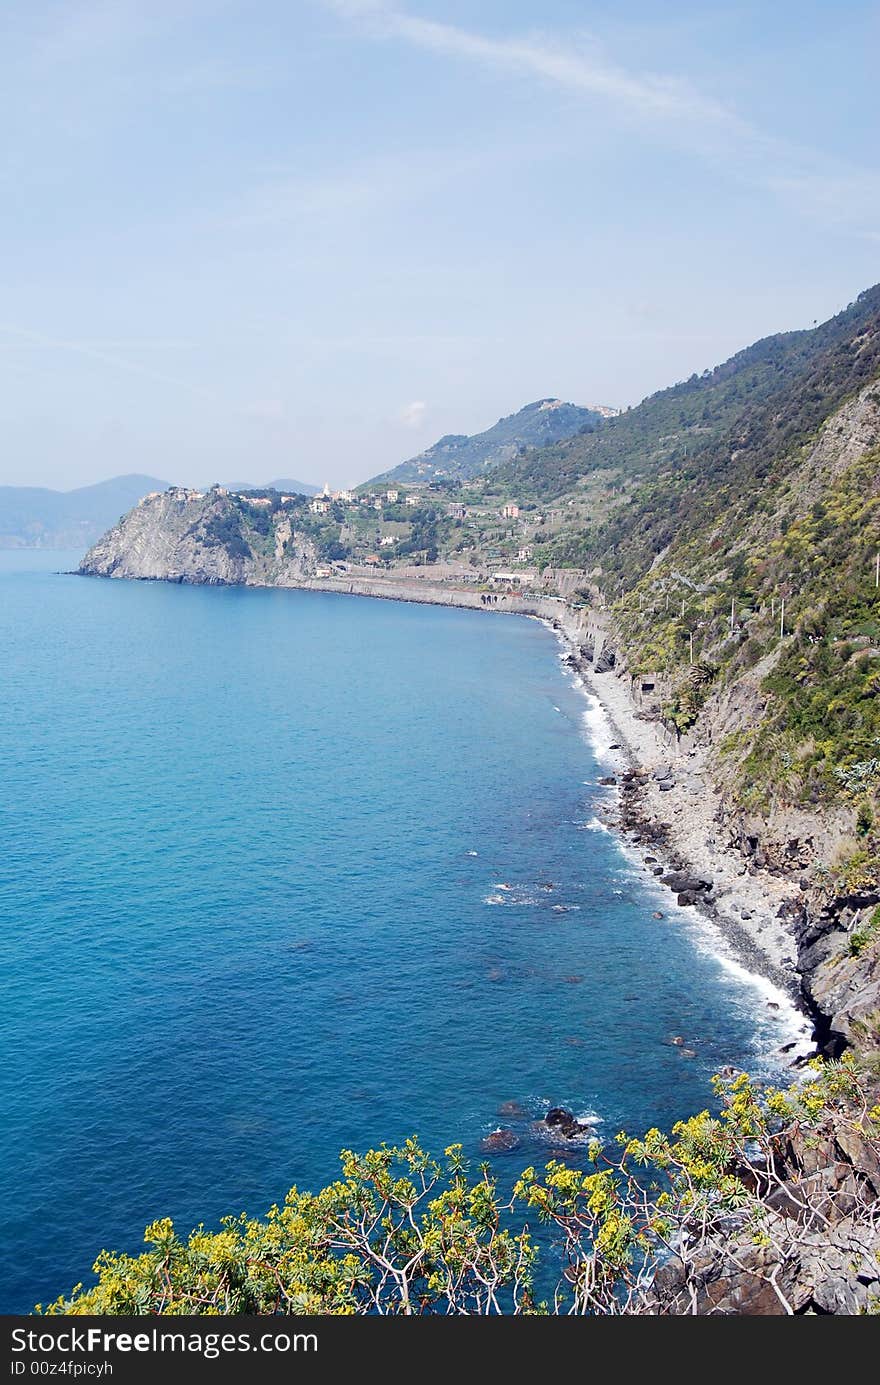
x,y
594,824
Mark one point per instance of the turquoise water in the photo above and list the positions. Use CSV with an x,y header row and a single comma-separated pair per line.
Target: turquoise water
x,y
247,844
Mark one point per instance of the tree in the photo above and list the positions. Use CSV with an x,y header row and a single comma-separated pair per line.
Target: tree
x,y
660,1224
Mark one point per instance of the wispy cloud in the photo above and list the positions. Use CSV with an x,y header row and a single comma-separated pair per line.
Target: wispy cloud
x,y
413,415
580,64
663,105
25,338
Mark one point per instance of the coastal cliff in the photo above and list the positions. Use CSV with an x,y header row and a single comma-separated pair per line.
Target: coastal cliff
x,y
182,535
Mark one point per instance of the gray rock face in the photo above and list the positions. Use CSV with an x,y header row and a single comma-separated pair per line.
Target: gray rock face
x,y
841,980
821,1250
185,536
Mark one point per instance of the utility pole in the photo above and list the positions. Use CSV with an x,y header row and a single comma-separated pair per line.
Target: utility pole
x,y
877,571
782,620
692,646
682,610
731,614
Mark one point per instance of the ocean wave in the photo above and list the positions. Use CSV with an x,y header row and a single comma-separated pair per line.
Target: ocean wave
x,y
594,824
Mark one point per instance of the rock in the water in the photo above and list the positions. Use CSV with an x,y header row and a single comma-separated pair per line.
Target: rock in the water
x,y
501,1141
572,1130
563,1122
558,1115
512,1108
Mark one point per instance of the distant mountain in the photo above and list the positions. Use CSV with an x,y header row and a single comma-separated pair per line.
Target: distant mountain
x,y
33,517
284,483
459,457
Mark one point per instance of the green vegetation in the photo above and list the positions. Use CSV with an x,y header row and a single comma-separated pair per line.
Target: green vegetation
x,y
225,531
862,938
402,1233
679,443
457,457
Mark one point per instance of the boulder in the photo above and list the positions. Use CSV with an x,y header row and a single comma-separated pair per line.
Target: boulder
x,y
682,880
562,1122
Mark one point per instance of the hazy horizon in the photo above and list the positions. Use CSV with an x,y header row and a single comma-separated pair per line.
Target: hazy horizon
x,y
310,239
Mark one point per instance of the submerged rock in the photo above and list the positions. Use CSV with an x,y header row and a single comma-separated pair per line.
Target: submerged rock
x,y
501,1141
512,1108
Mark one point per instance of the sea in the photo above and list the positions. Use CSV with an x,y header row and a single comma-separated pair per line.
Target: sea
x,y
283,873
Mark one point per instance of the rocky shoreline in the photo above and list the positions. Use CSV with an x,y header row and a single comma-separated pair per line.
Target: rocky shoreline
x,y
667,807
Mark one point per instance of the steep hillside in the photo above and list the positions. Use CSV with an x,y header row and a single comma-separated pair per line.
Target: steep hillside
x,y
458,457
684,432
32,517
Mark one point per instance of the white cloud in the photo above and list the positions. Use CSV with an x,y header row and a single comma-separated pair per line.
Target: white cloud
x,y
413,415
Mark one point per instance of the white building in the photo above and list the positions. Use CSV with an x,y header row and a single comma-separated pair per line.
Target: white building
x,y
392,496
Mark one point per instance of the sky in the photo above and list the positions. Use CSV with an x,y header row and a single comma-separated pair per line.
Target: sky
x,y
247,239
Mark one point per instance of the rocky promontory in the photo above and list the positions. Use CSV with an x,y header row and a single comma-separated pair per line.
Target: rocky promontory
x,y
210,538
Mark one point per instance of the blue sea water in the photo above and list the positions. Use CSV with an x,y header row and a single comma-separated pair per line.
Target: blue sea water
x,y
252,851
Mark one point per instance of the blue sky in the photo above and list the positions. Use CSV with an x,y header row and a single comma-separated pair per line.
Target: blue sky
x,y
307,238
